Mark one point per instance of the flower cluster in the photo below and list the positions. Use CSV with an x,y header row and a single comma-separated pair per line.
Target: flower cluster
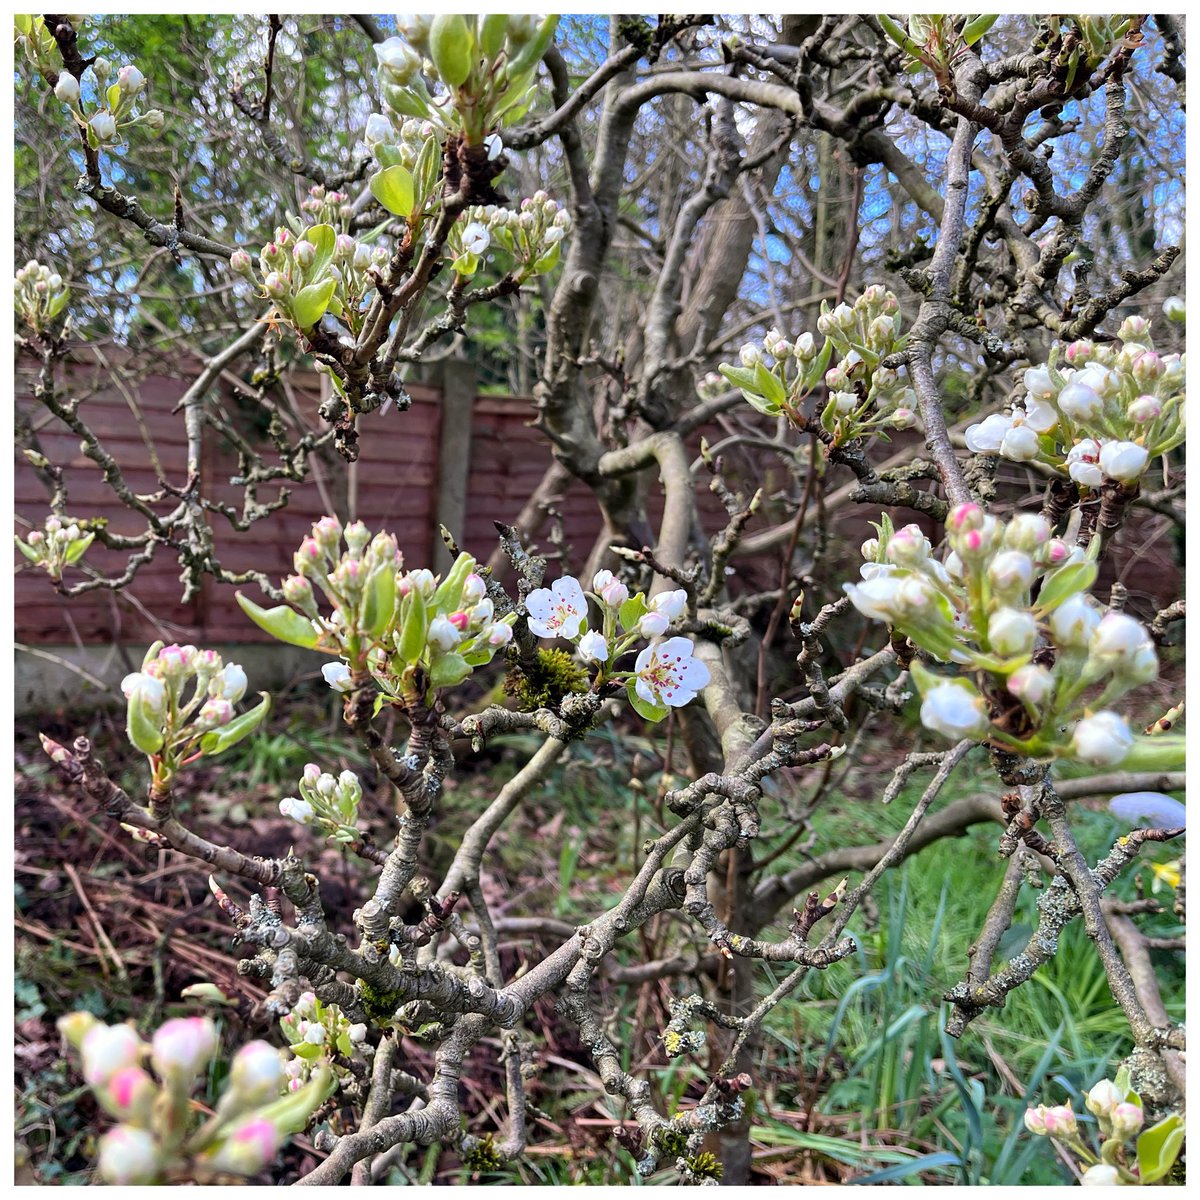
x,y
665,675
56,546
1103,417
328,802
159,1137
486,65
776,375
39,295
323,207
317,1033
1009,603
532,236
1129,1154
395,626
174,730
101,109
308,274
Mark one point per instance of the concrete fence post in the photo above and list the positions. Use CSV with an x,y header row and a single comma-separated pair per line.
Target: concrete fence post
x,y
454,453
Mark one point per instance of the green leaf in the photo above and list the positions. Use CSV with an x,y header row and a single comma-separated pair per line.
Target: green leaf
x,y
310,305
305,1050
414,629
549,260
379,602
632,611
281,622
492,28
977,26
898,35
144,730
425,173
324,240
57,303
536,47
1064,583
1158,1147
769,385
448,596
29,552
452,48
448,670
78,548
742,377
221,739
393,188
650,712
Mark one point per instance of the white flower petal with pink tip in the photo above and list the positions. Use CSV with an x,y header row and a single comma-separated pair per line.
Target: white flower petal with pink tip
x,y
668,673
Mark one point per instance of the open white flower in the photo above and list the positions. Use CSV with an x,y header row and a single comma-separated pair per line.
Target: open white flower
x,y
476,238
669,673
557,611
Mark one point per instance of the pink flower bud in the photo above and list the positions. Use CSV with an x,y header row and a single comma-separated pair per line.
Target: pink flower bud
x,y
1127,1119
1060,1121
474,590
499,635
107,1049
249,1147
183,1046
965,516
460,621
129,1095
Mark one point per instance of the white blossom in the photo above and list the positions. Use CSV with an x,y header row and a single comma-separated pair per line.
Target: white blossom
x,y
1012,631
1031,683
669,673
149,689
1123,461
1073,622
1102,740
956,711
1079,401
107,1049
299,810
476,238
1082,463
103,125
1101,1175
231,683
557,611
443,634
1020,444
128,1156
653,624
670,604
337,675
986,437
593,647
